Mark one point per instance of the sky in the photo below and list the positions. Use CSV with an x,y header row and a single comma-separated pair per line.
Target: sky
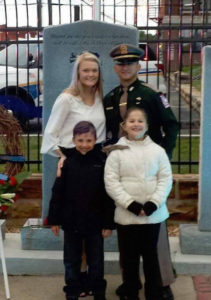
x,y
19,18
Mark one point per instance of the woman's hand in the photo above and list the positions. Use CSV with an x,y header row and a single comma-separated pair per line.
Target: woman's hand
x,y
55,229
106,232
60,165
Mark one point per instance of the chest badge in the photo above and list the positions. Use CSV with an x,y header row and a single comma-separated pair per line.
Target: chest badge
x,y
123,49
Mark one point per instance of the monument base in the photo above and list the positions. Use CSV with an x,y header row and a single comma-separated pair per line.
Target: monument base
x,y
194,241
35,236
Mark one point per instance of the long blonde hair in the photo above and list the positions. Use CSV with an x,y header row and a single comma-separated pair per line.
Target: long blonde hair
x,y
75,87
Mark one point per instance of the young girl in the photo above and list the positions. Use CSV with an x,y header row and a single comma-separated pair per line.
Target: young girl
x,y
81,206
138,177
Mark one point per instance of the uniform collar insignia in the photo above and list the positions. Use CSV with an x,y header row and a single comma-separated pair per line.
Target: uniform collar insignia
x,y
131,88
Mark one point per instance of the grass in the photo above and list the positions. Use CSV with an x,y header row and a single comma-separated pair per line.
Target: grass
x,y
33,143
196,71
187,149
182,151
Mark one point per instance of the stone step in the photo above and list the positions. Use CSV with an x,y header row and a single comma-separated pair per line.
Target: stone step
x,y
35,262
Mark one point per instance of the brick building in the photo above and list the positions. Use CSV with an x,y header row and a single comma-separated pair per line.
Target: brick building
x,y
186,12
12,35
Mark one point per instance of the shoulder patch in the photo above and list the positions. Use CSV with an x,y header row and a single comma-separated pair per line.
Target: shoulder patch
x,y
164,101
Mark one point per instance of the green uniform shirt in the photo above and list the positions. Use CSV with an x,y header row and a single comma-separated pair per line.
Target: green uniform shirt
x,y
163,126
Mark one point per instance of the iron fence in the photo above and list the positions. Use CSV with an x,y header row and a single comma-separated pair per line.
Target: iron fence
x,y
174,30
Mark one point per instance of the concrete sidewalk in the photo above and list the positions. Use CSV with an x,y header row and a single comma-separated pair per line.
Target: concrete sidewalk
x,y
31,273
50,288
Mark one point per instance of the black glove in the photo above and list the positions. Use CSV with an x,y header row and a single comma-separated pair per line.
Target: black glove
x,y
149,207
135,207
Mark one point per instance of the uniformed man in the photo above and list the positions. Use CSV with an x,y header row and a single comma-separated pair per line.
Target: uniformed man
x,y
163,129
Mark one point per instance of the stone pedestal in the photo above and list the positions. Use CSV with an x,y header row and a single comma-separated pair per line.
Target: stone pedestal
x,y
196,239
61,46
34,236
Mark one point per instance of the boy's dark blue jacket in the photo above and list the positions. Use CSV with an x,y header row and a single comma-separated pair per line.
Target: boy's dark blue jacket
x,y
79,201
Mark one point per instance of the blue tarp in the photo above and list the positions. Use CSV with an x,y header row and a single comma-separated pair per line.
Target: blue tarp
x,y
12,158
3,176
18,106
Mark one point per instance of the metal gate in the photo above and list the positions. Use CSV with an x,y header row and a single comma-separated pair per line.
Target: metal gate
x,y
172,32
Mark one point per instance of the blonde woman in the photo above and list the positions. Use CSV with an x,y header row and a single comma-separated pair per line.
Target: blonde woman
x,y
81,101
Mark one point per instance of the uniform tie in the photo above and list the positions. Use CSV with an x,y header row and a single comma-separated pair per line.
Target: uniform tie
x,y
123,103
123,108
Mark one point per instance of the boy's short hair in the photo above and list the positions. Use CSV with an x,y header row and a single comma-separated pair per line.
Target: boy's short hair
x,y
84,127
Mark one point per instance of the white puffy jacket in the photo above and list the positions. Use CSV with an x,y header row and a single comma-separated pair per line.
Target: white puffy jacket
x,y
140,173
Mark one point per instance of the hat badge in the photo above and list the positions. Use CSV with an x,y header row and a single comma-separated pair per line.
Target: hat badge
x,y
123,49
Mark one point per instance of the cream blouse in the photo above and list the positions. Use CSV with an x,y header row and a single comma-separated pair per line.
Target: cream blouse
x,y
67,111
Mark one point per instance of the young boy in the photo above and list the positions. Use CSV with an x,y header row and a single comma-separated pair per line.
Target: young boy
x,y
80,205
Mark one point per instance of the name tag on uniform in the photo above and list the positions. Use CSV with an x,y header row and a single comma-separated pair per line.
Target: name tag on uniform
x,y
109,108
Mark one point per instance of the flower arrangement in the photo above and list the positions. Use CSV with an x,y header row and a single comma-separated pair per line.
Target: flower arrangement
x,y
9,185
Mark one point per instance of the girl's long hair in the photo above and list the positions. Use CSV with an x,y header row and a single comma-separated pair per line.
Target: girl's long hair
x,y
75,87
